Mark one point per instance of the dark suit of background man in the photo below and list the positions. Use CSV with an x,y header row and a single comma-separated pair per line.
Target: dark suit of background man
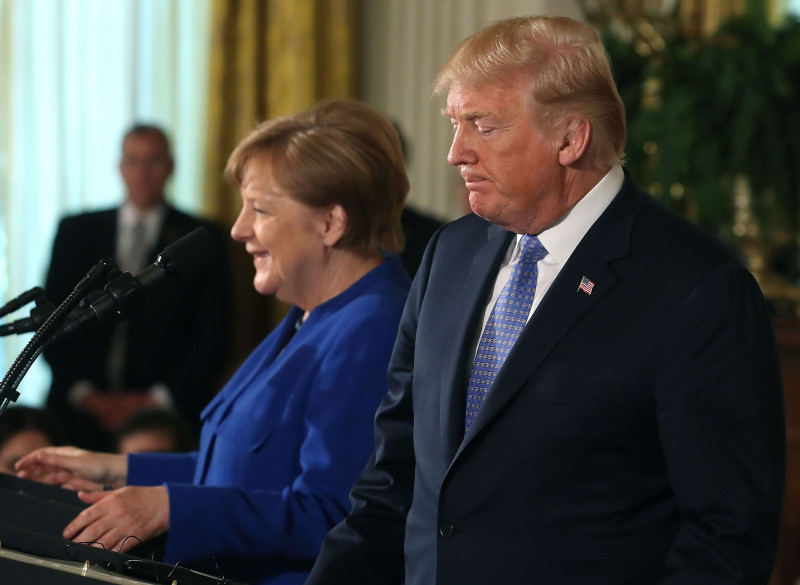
x,y
634,435
418,227
170,351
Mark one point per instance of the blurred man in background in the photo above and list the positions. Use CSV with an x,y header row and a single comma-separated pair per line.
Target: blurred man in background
x,y
169,353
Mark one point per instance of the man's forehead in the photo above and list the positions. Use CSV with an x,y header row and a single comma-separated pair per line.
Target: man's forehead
x,y
150,141
466,101
490,100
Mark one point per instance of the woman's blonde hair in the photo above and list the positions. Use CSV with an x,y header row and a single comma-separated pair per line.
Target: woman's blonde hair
x,y
338,152
568,71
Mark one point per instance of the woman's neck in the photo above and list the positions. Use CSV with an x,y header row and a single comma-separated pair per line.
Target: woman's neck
x,y
343,268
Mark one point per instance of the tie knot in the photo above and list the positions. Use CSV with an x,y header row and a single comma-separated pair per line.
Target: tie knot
x,y
531,249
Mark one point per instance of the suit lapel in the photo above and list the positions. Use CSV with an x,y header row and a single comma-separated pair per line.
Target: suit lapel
x,y
106,234
471,302
564,305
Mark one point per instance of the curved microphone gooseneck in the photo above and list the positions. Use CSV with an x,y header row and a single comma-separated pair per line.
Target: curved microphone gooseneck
x,y
34,347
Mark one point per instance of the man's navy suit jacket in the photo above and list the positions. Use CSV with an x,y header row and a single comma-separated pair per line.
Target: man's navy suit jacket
x,y
634,435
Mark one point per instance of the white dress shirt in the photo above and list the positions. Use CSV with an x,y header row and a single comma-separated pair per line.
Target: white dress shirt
x,y
130,260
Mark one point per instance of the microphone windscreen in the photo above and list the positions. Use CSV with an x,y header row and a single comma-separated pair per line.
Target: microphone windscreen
x,y
191,253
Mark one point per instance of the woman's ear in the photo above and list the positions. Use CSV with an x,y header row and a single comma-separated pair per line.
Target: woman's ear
x,y
335,223
574,142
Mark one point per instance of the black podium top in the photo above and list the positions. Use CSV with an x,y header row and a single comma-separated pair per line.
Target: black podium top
x,y
33,516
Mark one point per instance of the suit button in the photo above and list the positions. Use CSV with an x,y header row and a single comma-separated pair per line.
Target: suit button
x,y
446,530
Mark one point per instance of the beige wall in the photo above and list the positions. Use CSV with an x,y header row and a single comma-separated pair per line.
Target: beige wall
x,y
405,42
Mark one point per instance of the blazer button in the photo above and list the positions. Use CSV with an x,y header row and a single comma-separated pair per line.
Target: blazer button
x,y
446,530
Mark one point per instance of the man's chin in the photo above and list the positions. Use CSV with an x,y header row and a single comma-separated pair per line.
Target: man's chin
x,y
498,220
478,205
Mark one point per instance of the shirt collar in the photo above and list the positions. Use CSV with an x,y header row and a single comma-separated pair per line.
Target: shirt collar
x,y
130,214
561,239
152,220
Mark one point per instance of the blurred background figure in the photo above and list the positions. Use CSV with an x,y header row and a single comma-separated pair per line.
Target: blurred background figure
x,y
418,227
168,355
24,429
155,430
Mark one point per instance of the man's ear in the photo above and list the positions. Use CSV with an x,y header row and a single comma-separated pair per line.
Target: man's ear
x,y
574,141
335,223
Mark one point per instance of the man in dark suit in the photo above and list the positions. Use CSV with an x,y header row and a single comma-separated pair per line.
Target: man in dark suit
x,y
634,433
169,353
418,229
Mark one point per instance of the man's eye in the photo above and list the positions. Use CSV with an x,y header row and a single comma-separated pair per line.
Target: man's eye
x,y
485,129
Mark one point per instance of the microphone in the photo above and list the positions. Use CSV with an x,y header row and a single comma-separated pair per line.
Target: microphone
x,y
39,315
31,295
126,293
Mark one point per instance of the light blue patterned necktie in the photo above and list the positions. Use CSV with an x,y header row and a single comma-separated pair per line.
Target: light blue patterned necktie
x,y
506,321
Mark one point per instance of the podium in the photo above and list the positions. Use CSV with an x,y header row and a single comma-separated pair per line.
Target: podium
x,y
32,517
43,508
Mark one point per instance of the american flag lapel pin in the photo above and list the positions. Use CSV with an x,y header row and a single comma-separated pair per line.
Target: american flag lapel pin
x,y
586,285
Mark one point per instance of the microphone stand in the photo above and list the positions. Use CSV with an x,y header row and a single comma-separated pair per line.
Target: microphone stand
x,y
34,347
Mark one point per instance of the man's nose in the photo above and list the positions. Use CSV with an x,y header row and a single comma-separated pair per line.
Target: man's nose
x,y
461,151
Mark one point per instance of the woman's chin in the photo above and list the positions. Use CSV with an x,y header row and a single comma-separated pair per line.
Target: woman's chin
x,y
263,286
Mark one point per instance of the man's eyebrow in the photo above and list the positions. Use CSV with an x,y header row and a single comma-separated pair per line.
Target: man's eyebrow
x,y
469,116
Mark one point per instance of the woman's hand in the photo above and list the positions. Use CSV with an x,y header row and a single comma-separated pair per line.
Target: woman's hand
x,y
73,468
116,517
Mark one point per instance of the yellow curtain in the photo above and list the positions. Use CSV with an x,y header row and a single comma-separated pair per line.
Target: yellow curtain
x,y
271,58
268,58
